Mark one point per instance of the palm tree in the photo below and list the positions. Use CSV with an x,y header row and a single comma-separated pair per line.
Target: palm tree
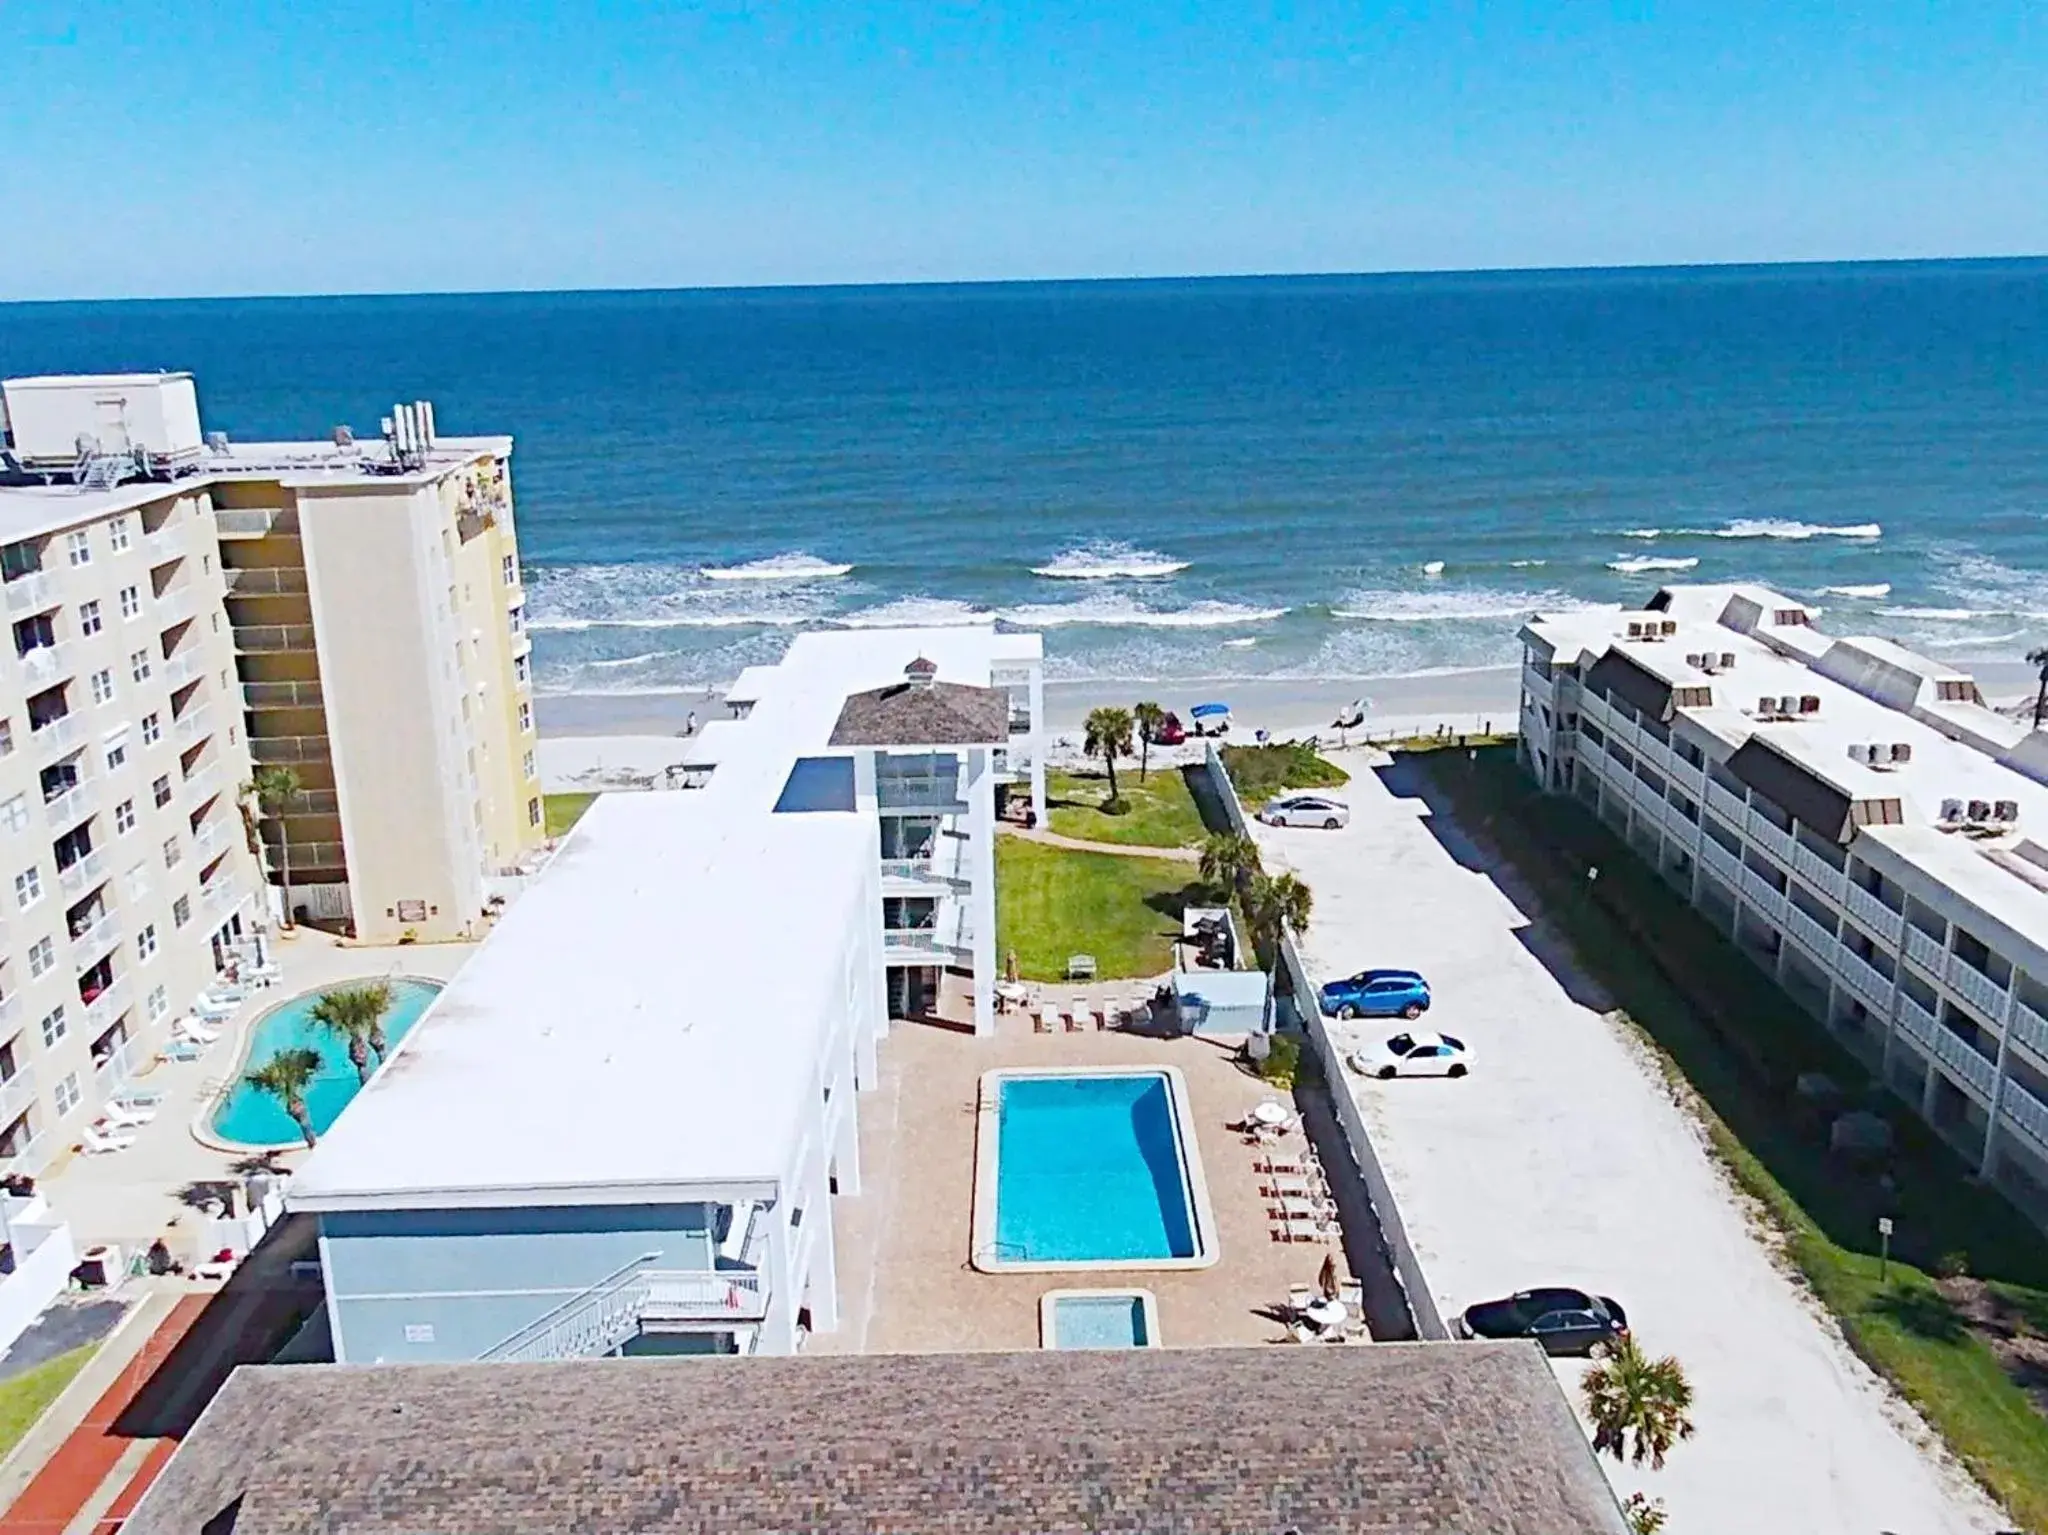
x,y
2038,656
1276,904
273,789
1230,860
1638,1405
355,1014
286,1076
1149,717
1108,736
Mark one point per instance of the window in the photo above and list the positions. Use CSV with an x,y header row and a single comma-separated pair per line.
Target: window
x,y
533,811
28,887
42,957
6,737
526,764
522,671
173,853
508,570
159,1002
14,813
103,686
160,791
88,618
116,748
152,730
117,533
145,944
517,619
67,1094
131,602
181,911
54,1026
138,665
525,717
78,548
124,817
136,881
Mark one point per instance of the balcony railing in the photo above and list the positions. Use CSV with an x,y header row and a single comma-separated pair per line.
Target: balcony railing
x,y
16,1094
177,605
1865,979
2026,1111
30,593
283,695
220,895
84,874
89,945
102,1011
1818,872
1731,809
193,725
934,794
59,734
1924,949
1766,835
247,522
166,543
1687,777
288,748
66,810
266,581
583,1326
32,1155
1819,940
1956,1053
182,667
1976,988
1917,1021
47,663
1763,896
118,1065
1882,922
266,637
2029,1028
208,835
1720,862
918,941
204,781
923,871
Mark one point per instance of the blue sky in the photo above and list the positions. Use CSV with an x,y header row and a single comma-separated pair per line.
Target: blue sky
x,y
361,145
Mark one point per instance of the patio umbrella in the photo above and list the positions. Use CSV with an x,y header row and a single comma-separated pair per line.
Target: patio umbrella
x,y
1326,1277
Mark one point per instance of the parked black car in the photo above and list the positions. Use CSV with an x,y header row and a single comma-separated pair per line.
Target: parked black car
x,y
1564,1321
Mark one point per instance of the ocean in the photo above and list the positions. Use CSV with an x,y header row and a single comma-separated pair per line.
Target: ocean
x,y
1290,478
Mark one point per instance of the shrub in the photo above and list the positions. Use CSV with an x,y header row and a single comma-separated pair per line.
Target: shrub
x,y
1282,1065
1952,1265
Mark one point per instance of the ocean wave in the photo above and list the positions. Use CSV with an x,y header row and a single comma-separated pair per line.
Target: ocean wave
x,y
1776,527
639,660
1642,532
1940,615
793,566
745,620
1110,561
912,613
1433,568
1640,563
1875,589
1244,644
1963,641
1434,607
1122,613
1527,564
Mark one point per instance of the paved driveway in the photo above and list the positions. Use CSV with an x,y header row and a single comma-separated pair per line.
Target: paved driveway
x,y
1562,1159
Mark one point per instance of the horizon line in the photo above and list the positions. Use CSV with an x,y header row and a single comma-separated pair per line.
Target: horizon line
x,y
1097,280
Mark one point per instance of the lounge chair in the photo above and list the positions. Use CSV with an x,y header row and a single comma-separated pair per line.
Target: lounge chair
x,y
197,1032
125,1116
214,1011
97,1140
1044,1020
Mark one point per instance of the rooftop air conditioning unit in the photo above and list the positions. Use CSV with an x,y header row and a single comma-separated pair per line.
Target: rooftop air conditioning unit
x,y
1789,704
1635,630
1766,706
1951,811
1695,660
1668,626
2006,810
1902,751
1979,812
1809,704
1856,753
1727,659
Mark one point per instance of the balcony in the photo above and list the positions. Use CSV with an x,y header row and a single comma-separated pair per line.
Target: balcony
x,y
1689,778
1925,950
268,749
182,667
208,835
923,871
1819,941
1768,837
2030,1029
193,726
1976,988
59,734
1818,872
176,605
66,810
1536,685
47,664
16,1094
1916,1022
103,1010
611,1311
283,695
33,1155
204,781
1720,862
117,1065
1865,979
220,895
273,637
84,874
89,944
918,944
248,523
2026,1112
939,796
266,581
1881,921
1724,804
1759,892
31,593
1956,1053
165,544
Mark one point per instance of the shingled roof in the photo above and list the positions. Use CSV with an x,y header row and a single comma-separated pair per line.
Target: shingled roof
x,y
1468,1438
922,711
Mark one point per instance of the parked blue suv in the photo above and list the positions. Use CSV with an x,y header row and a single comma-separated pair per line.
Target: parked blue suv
x,y
1377,994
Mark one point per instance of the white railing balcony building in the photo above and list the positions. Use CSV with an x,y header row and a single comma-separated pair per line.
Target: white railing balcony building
x,y
1924,949
89,944
30,593
1976,988
103,1009
1956,1053
83,874
2026,1112
193,725
1763,896
182,667
59,734
1865,979
1916,1021
683,1295
1687,777
1818,872
1882,922
2030,1029
1720,862
16,1094
1725,804
47,663
1767,836
1819,940
70,807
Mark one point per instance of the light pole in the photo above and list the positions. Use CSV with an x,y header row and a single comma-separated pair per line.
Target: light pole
x,y
1884,1247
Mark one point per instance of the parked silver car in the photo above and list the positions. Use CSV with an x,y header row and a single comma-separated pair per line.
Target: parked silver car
x,y
1306,810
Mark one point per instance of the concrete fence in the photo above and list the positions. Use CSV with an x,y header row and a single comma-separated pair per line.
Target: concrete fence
x,y
1308,1017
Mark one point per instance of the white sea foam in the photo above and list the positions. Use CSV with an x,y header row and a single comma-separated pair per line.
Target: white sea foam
x,y
1775,527
1433,568
1640,563
1527,564
739,620
1121,613
1642,532
1244,644
793,566
639,660
914,613
1110,561
1453,606
1938,615
1875,589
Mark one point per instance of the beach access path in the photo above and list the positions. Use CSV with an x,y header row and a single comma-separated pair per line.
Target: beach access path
x,y
1114,849
1563,1159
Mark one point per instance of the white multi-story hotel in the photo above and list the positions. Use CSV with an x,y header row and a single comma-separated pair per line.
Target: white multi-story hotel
x,y
622,1126
1850,813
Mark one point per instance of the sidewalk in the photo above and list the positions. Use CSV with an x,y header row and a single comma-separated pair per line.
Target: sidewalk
x,y
1116,849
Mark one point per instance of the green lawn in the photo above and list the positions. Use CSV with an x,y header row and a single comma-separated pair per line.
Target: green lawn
x,y
1052,902
1260,772
24,1397
1737,1044
565,810
1160,812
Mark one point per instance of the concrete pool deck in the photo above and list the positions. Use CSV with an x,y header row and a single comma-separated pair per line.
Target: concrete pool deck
x,y
1563,1159
905,1281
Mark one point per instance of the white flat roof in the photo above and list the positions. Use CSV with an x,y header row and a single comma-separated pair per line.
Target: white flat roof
x,y
644,1023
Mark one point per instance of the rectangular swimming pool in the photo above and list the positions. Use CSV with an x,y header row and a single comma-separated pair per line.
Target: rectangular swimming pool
x,y
1098,1319
1088,1169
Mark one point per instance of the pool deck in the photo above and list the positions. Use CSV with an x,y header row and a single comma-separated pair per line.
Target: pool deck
x,y
131,1197
905,1282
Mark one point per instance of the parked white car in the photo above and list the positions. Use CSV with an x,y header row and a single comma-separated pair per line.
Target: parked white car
x,y
1414,1055
1306,810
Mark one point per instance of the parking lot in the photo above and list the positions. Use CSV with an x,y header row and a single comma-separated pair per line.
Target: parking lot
x,y
1562,1159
